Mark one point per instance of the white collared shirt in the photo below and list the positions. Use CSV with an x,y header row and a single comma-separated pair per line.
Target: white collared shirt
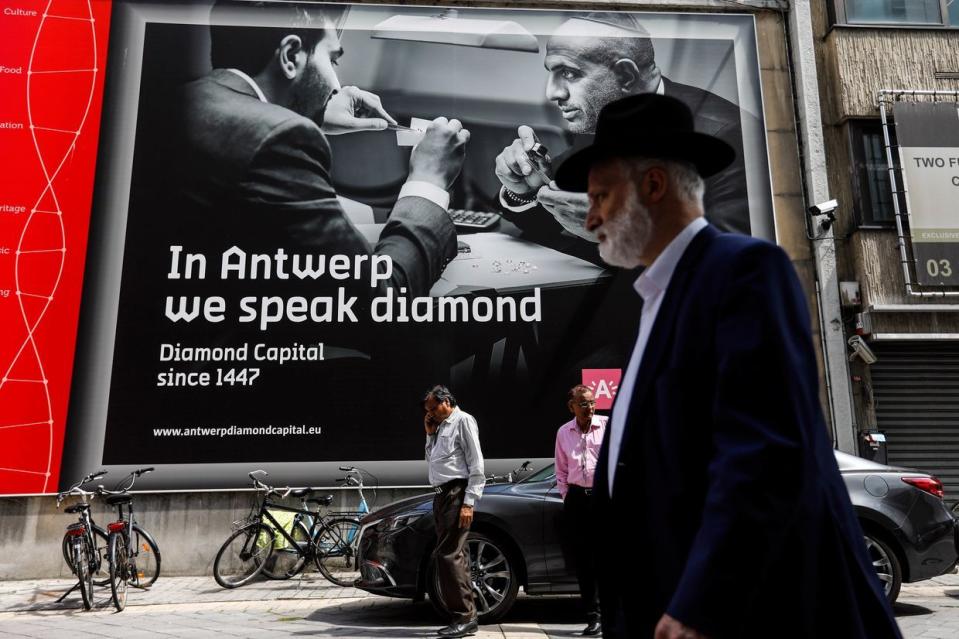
x,y
454,452
650,285
417,188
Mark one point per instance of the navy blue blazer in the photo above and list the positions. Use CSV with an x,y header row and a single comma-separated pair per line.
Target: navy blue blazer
x,y
739,524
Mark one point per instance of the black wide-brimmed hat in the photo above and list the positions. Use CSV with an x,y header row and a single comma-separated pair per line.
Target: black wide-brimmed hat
x,y
645,125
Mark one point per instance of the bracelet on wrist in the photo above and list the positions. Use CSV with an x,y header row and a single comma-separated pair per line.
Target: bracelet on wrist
x,y
516,199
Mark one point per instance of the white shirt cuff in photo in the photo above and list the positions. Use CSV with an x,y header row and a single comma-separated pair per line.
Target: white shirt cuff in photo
x,y
428,191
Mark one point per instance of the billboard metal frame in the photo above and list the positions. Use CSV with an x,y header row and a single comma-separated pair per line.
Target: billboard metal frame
x,y
884,99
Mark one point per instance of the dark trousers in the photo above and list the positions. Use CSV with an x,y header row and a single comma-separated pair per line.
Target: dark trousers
x,y
452,562
579,536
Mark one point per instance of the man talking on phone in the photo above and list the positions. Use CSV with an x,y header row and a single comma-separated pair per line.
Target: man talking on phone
x,y
456,473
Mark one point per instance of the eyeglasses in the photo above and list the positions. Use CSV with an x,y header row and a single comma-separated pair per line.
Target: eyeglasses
x,y
587,403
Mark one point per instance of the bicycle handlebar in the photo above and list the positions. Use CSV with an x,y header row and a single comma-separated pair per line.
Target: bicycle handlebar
x,y
270,490
75,490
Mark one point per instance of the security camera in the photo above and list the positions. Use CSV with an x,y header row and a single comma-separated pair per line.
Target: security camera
x,y
825,208
861,349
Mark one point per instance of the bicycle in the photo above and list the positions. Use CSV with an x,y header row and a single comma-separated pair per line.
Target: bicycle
x,y
343,561
80,548
285,561
247,551
133,554
340,559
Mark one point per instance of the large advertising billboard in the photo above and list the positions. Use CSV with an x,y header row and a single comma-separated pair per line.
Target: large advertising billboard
x,y
268,287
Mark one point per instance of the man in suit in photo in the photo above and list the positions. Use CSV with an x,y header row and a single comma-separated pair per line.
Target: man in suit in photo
x,y
251,137
716,447
592,60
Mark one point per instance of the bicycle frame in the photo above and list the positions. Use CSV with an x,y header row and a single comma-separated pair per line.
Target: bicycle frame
x,y
265,514
124,526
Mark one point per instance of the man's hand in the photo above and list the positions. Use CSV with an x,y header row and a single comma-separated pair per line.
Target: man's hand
x,y
429,424
568,208
513,166
466,516
438,157
353,109
669,628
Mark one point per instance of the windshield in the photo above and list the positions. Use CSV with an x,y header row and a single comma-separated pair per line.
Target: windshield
x,y
541,475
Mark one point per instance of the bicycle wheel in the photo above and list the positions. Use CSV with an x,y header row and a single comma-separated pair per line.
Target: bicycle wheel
x,y
243,554
81,563
336,546
119,570
146,558
289,560
101,573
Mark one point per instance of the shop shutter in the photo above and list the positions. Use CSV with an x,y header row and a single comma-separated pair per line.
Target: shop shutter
x,y
916,389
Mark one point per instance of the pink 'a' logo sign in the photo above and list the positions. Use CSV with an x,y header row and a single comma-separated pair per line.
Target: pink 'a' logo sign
x,y
605,383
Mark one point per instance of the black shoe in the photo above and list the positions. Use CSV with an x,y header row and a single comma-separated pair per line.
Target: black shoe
x,y
464,629
592,629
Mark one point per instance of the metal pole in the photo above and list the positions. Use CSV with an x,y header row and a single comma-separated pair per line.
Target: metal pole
x,y
812,145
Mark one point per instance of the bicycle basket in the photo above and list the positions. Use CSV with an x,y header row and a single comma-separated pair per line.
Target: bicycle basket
x,y
243,523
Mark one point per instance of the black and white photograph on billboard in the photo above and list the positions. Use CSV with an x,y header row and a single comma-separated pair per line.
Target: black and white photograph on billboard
x,y
308,214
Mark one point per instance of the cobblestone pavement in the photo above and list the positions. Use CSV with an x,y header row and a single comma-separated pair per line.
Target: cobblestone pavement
x,y
929,609
309,606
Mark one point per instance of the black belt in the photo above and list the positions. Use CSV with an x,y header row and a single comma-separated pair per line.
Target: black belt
x,y
448,486
574,488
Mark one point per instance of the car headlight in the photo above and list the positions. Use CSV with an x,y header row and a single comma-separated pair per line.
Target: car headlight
x,y
399,522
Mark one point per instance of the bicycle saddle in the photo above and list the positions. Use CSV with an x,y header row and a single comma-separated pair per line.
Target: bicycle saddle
x,y
118,500
325,500
302,492
76,508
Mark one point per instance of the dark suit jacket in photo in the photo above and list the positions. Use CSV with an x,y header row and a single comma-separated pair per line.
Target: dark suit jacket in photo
x,y
728,511
258,174
726,200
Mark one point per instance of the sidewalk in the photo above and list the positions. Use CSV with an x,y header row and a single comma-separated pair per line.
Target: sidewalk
x,y
198,607
310,606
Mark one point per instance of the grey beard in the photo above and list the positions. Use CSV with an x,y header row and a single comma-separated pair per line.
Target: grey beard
x,y
626,234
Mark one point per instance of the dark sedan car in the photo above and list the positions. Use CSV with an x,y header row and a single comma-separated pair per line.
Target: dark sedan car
x,y
515,537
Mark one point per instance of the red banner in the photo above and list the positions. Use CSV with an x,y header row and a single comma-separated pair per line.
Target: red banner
x,y
52,61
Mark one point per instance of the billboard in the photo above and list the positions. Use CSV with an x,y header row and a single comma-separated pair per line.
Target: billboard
x,y
52,57
267,288
928,136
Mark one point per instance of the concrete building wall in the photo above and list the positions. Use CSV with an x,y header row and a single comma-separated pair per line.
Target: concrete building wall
x,y
855,62
866,59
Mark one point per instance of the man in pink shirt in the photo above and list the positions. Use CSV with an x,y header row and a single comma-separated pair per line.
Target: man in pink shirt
x,y
577,448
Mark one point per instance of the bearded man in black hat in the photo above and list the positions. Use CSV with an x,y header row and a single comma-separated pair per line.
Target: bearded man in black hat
x,y
716,446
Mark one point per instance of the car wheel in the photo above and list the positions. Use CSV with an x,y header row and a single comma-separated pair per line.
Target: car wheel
x,y
493,577
887,566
